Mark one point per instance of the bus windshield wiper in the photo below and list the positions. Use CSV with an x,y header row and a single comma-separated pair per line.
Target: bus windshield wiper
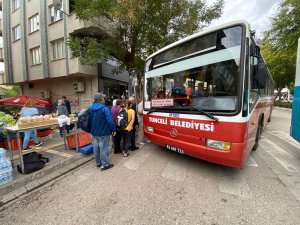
x,y
204,113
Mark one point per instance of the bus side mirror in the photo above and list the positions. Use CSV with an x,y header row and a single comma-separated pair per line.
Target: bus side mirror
x,y
260,76
255,51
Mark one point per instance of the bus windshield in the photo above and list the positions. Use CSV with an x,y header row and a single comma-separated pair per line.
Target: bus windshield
x,y
203,72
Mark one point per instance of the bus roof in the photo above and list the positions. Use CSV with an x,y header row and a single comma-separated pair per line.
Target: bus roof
x,y
201,33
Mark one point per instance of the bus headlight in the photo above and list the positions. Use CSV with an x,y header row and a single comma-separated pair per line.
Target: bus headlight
x,y
149,129
221,145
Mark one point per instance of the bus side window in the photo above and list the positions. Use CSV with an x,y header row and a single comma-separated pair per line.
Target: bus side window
x,y
254,93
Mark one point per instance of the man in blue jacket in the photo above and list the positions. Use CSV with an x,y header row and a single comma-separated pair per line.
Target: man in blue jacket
x,y
102,127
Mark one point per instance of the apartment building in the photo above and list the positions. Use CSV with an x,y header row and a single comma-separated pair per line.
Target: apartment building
x,y
37,57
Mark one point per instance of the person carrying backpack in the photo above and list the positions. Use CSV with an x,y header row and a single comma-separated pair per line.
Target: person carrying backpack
x,y
126,125
102,127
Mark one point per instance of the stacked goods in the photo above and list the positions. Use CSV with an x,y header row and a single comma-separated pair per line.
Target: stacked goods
x,y
6,119
34,121
5,168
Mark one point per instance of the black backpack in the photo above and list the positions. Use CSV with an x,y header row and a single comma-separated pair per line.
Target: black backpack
x,y
84,121
33,162
122,119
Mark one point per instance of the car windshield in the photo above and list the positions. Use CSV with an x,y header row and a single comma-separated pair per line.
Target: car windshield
x,y
205,76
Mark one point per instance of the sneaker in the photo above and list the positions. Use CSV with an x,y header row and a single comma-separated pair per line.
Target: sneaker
x,y
107,167
27,149
125,155
141,143
134,148
39,144
99,165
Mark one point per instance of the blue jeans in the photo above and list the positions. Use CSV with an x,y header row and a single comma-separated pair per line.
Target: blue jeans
x,y
29,134
101,150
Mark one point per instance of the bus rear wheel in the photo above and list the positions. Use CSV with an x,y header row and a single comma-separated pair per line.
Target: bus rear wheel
x,y
258,134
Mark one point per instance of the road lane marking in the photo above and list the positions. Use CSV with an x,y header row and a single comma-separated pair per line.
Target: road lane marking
x,y
135,161
285,137
289,162
292,182
232,181
176,169
251,162
63,154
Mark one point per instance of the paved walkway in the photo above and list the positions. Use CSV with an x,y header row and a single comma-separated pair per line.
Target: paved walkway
x,y
61,161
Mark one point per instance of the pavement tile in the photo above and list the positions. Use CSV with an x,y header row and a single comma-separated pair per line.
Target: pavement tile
x,y
7,198
32,185
20,191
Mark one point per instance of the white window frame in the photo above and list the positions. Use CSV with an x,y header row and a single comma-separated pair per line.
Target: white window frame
x,y
16,32
58,49
35,55
55,15
34,23
15,4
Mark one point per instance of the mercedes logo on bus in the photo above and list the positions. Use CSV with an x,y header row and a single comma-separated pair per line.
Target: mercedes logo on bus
x,y
173,132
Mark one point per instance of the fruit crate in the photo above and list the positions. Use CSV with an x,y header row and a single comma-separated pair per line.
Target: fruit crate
x,y
84,138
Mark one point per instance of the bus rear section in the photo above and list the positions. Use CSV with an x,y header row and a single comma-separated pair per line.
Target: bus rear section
x,y
214,141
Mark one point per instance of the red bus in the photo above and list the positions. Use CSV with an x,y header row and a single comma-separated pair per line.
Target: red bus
x,y
209,95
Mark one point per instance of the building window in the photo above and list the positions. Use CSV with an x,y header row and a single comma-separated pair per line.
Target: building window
x,y
17,32
35,54
16,4
55,14
34,23
58,49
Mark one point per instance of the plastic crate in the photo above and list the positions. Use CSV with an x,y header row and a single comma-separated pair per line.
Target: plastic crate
x,y
83,139
86,149
44,133
14,144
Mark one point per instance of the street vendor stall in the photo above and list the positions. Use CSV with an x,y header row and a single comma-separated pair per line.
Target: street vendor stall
x,y
31,123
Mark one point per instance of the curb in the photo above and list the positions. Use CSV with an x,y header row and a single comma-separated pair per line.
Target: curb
x,y
38,179
281,108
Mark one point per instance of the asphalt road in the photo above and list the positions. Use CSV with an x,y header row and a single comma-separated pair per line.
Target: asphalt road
x,y
156,186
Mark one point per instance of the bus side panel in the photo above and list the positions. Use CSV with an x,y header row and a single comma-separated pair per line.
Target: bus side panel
x,y
295,128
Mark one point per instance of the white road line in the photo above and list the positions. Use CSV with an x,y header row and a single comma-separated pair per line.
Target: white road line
x,y
251,162
292,182
233,182
176,169
286,137
289,162
135,161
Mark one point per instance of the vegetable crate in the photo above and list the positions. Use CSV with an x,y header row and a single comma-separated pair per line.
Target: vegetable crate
x,y
84,138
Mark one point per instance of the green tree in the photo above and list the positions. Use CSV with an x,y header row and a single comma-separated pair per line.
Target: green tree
x,y
133,29
281,40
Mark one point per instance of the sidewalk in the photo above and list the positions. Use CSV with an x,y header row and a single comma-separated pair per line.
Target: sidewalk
x,y
61,161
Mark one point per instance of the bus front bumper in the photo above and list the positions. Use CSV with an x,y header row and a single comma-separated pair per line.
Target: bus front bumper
x,y
235,157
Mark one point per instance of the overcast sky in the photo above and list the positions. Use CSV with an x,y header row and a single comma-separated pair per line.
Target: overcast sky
x,y
256,12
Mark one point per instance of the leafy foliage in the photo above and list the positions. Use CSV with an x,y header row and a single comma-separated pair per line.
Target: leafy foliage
x,y
130,30
281,40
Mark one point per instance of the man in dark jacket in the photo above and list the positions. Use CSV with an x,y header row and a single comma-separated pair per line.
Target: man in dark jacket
x,y
102,127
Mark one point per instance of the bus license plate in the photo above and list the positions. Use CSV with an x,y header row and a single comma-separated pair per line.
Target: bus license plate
x,y
172,148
